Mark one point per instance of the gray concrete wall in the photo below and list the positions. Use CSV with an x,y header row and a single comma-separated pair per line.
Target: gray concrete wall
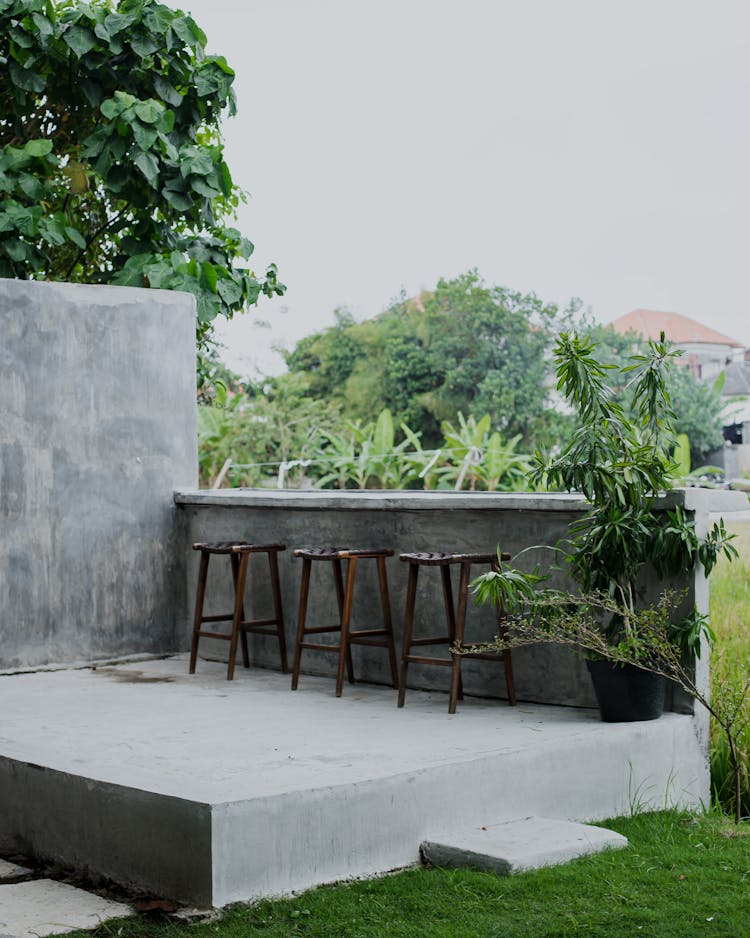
x,y
408,521
97,428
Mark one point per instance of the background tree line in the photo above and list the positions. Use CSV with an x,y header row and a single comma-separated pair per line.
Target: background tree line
x,y
453,386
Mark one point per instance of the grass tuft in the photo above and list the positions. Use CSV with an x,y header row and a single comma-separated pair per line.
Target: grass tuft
x,y
730,620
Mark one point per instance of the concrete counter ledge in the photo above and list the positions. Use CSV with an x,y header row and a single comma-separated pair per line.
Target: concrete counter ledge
x,y
368,500
698,500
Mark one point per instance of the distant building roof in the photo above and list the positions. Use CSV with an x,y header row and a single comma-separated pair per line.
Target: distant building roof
x,y
677,328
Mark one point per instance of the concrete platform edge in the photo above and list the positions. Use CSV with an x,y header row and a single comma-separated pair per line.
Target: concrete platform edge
x,y
143,841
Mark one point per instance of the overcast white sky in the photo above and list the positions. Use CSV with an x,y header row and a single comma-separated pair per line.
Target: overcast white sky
x,y
585,148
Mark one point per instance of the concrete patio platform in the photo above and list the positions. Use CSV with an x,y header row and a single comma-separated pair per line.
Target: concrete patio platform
x,y
211,792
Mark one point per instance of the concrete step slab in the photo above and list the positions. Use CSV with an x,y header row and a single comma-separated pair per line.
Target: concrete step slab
x,y
521,844
42,907
10,872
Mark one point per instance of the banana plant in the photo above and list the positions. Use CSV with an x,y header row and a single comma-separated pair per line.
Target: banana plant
x,y
388,467
424,463
502,464
464,446
337,450
366,455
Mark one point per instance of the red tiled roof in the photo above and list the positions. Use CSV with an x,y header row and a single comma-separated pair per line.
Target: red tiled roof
x,y
677,328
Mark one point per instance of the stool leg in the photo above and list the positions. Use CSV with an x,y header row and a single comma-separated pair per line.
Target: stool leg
x,y
304,591
235,561
458,637
507,660
344,646
385,601
338,579
239,593
273,562
199,597
450,615
411,595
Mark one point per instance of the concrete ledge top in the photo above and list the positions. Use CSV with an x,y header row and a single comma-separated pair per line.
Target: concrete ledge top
x,y
699,500
97,294
354,499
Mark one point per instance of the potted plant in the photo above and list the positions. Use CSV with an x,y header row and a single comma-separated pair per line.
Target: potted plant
x,y
620,459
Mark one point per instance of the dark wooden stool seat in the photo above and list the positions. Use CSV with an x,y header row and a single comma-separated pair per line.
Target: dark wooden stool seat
x,y
455,620
377,637
239,556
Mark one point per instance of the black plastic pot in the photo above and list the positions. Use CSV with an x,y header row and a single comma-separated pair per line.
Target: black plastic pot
x,y
625,693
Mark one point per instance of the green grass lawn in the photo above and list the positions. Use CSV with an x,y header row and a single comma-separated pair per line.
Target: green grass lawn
x,y
730,619
680,876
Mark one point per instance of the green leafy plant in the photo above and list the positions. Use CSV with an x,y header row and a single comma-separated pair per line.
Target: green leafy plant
x,y
112,166
622,464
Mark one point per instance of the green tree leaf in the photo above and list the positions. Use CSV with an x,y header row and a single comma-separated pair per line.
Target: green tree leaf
x,y
76,237
43,25
80,40
167,92
17,250
148,165
37,147
26,78
145,137
149,111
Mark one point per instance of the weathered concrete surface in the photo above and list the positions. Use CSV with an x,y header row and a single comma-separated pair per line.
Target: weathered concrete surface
x,y
45,907
410,521
97,427
521,844
214,792
10,872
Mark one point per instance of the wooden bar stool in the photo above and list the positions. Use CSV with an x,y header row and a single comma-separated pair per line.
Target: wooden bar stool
x,y
379,638
455,620
239,556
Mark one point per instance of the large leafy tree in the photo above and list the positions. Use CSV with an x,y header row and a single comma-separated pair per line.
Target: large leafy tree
x,y
464,347
111,161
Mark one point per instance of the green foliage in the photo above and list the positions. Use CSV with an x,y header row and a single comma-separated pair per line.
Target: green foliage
x,y
730,666
698,406
255,429
111,162
507,587
464,347
258,429
485,460
365,455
